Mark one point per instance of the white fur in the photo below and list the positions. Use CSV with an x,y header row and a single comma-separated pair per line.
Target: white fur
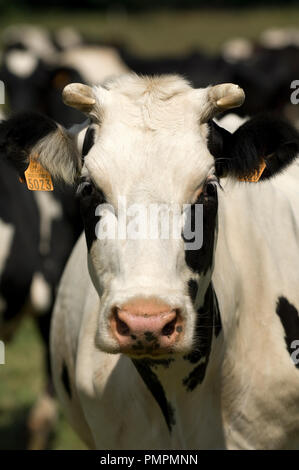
x,y
68,37
94,63
36,39
49,210
40,293
7,232
278,38
21,63
231,122
237,49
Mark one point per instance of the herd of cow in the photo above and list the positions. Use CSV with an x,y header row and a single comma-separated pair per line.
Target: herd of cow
x,y
155,346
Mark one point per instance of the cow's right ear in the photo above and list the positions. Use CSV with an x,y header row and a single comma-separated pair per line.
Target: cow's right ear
x,y
31,133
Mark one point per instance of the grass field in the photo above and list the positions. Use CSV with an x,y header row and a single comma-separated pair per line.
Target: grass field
x,y
159,32
21,381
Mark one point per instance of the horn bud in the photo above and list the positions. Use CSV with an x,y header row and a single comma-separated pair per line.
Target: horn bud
x,y
222,97
79,96
227,96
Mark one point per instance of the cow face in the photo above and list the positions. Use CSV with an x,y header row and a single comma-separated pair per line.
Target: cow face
x,y
143,280
151,147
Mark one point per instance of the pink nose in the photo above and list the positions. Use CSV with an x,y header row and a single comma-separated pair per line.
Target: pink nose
x,y
146,327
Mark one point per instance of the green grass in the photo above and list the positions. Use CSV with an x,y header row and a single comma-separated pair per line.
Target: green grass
x,y
172,32
21,381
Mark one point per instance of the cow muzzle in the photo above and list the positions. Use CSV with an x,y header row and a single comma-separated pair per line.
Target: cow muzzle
x,y
146,327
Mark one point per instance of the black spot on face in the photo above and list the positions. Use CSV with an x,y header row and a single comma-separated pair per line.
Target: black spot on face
x,y
217,317
207,321
88,141
202,259
138,346
90,198
193,288
289,318
66,379
203,328
179,329
149,336
152,382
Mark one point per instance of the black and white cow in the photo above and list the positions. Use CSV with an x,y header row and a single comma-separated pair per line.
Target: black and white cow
x,y
38,231
155,345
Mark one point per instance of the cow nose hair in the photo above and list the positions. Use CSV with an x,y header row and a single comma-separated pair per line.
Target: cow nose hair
x,y
145,325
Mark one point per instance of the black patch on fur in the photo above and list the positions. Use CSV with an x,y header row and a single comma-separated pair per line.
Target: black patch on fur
x,y
88,141
90,198
138,346
207,320
289,318
149,336
203,328
158,362
66,379
196,376
263,137
152,382
201,260
192,288
19,134
217,317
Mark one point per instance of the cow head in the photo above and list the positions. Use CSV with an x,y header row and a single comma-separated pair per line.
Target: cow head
x,y
151,145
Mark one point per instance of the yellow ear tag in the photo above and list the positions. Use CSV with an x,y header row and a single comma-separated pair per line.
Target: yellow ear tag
x,y
37,178
256,175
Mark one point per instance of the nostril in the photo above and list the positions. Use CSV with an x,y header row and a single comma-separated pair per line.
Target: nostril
x,y
169,328
121,327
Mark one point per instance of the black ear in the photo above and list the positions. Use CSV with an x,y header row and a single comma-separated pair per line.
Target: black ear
x,y
19,134
32,134
263,140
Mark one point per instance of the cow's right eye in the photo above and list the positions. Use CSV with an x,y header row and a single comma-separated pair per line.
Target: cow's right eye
x,y
85,189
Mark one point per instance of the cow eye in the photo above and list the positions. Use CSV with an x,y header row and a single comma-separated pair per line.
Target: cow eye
x,y
210,186
85,189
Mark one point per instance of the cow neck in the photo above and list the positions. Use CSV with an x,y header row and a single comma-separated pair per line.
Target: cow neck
x,y
170,377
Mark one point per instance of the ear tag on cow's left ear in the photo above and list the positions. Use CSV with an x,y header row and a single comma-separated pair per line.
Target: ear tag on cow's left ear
x,y
37,178
255,177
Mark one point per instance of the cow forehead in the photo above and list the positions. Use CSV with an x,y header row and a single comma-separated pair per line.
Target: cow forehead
x,y
149,141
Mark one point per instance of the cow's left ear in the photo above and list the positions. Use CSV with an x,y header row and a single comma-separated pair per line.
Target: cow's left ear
x,y
257,150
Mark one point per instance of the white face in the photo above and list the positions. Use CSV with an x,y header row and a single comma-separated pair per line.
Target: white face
x,y
149,149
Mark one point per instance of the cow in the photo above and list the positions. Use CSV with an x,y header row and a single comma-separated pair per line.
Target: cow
x,y
38,231
33,84
157,343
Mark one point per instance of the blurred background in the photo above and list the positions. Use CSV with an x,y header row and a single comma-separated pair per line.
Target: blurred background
x,y
45,45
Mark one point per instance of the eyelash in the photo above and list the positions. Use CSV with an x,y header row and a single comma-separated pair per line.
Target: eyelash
x,y
82,185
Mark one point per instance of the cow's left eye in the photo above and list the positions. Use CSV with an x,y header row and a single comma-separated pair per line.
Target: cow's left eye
x,y
210,185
